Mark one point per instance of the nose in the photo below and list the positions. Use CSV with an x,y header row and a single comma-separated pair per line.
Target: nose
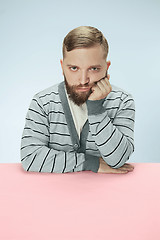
x,y
84,79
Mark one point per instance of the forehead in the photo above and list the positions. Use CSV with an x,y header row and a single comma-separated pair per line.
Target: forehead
x,y
92,55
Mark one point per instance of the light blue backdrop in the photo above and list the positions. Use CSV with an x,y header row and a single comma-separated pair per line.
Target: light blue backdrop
x,y
31,36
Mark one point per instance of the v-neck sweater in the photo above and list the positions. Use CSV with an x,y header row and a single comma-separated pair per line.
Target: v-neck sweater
x,y
50,142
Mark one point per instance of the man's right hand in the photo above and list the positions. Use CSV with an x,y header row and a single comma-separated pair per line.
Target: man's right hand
x,y
104,168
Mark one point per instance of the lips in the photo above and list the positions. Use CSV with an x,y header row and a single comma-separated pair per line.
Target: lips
x,y
83,89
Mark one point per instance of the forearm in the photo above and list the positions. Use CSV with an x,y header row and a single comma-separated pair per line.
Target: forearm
x,y
44,159
37,153
114,140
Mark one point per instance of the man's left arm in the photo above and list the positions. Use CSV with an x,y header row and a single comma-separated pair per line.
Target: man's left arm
x,y
113,137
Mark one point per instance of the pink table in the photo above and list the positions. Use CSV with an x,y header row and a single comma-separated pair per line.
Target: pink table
x,y
80,206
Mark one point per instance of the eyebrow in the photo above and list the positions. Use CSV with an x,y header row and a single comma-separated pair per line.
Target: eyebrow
x,y
73,65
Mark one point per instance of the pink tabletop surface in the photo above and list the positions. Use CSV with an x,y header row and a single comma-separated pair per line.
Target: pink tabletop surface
x,y
81,205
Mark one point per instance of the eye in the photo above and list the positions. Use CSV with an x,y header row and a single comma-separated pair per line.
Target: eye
x,y
73,68
95,69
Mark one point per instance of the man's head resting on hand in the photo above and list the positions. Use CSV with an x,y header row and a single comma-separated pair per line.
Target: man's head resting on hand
x,y
85,51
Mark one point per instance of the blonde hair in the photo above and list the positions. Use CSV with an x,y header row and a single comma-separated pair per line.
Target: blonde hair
x,y
84,37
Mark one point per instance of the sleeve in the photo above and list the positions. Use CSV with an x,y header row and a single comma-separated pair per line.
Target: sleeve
x,y
114,137
37,156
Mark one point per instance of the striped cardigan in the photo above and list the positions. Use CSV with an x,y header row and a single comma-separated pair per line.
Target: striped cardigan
x,y
50,142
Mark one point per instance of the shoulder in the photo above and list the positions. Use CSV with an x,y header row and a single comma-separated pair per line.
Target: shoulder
x,y
117,91
48,98
49,92
119,98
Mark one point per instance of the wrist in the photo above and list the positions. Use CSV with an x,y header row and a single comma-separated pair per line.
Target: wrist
x,y
95,106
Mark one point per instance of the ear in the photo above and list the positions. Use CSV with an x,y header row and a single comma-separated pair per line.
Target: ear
x,y
108,64
61,61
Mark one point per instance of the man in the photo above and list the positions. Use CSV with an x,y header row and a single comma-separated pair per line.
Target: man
x,y
83,123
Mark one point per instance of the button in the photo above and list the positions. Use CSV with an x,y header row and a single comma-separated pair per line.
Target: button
x,y
76,146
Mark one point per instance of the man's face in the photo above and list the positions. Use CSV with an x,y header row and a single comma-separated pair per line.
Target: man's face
x,y
81,68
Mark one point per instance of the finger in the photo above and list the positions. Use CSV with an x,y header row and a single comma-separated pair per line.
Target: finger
x,y
115,171
96,87
127,168
105,85
118,170
106,82
103,88
128,165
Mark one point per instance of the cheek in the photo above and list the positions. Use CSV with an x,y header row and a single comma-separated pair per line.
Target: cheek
x,y
95,78
70,78
98,76
72,82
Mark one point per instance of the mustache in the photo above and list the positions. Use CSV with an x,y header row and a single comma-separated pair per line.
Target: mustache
x,y
84,85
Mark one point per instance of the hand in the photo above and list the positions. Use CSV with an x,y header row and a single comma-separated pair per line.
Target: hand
x,y
104,168
101,89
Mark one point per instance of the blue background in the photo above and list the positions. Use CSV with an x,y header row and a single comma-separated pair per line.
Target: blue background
x,y
31,37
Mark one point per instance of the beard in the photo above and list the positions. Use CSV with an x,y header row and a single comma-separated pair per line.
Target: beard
x,y
77,98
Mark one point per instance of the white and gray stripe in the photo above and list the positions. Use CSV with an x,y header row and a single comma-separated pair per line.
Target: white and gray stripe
x,y
50,142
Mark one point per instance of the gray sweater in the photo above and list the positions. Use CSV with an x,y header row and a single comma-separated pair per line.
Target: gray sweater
x,y
50,142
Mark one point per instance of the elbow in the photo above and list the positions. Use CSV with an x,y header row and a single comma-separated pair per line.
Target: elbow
x,y
24,166
124,157
25,162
